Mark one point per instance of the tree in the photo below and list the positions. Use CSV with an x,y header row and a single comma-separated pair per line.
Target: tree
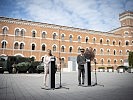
x,y
130,59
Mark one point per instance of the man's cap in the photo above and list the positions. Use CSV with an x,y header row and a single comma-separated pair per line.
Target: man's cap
x,y
82,50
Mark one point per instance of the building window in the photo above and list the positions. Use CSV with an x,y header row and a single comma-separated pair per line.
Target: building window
x,y
70,38
70,49
43,34
54,48
4,44
22,32
33,34
102,61
126,33
62,60
120,52
114,52
21,46
108,51
86,39
132,42
108,62
5,30
78,49
101,51
62,49
121,61
113,42
107,42
17,32
127,52
33,46
101,41
94,40
127,43
62,37
16,45
79,39
43,47
94,51
115,61
54,36
119,43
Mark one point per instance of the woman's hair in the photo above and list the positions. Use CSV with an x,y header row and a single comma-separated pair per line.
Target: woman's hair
x,y
50,52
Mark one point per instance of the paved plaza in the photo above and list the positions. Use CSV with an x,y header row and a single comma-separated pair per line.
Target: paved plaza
x,y
117,86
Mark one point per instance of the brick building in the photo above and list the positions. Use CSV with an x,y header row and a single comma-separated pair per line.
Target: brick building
x,y
32,39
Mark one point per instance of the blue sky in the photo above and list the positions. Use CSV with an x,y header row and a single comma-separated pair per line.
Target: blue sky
x,y
99,15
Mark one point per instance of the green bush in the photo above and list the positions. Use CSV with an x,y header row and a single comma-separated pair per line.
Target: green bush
x,y
23,66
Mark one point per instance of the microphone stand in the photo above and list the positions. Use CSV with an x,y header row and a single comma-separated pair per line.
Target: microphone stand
x,y
60,85
96,77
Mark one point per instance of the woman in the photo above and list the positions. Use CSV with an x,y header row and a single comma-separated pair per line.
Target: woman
x,y
46,61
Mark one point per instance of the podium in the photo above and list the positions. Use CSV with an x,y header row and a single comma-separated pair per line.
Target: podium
x,y
52,73
87,67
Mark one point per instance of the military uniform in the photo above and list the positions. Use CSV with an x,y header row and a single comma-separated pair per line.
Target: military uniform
x,y
81,62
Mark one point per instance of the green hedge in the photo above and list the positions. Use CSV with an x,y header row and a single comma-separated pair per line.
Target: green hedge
x,y
23,66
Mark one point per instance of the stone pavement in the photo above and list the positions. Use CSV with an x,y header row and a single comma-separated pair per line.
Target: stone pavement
x,y
117,86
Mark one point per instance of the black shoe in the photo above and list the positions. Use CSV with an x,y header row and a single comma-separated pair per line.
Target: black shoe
x,y
79,84
82,83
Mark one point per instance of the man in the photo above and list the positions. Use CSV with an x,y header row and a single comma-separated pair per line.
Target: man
x,y
81,61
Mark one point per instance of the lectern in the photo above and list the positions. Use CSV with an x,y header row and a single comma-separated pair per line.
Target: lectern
x,y
52,73
87,68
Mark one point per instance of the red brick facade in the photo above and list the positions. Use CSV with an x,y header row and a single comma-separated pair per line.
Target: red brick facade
x,y
32,39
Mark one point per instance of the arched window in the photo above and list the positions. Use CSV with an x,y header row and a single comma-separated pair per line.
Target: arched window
x,y
43,34
108,51
107,42
54,36
62,37
101,51
5,30
78,49
70,49
54,48
33,46
119,43
127,43
33,33
115,61
4,44
101,41
114,52
62,49
121,61
79,38
22,32
127,52
94,40
21,46
108,62
86,39
17,32
43,47
113,42
94,51
16,45
120,52
70,38
102,61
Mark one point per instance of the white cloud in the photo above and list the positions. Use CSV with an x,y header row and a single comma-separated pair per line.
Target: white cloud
x,y
90,14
